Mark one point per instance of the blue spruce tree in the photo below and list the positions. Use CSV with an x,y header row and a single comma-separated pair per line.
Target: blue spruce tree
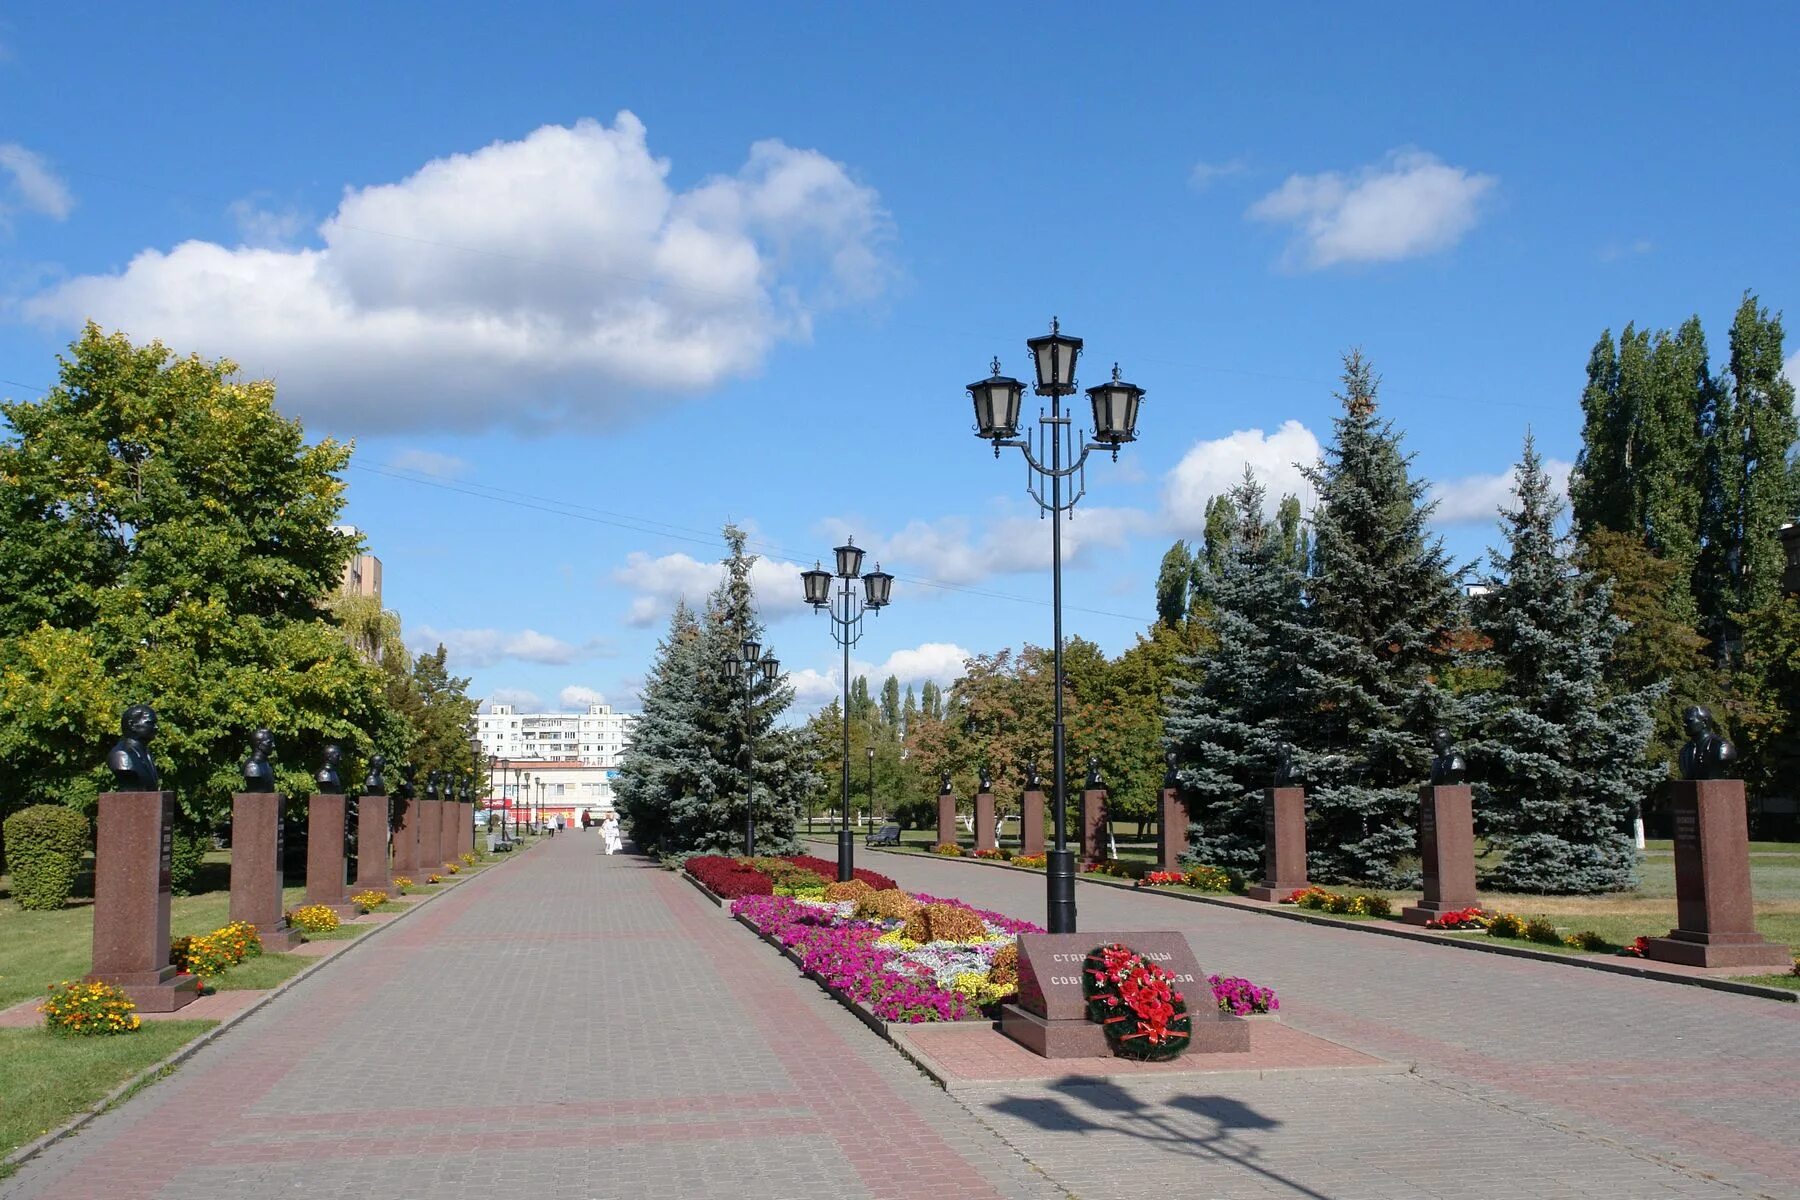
x,y
1560,754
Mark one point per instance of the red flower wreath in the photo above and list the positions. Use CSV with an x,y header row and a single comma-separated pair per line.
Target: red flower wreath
x,y
1135,1004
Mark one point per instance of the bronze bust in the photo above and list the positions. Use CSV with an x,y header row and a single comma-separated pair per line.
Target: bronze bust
x,y
325,780
1093,775
1448,766
129,760
373,783
431,784
1171,771
944,788
1286,775
987,779
1708,754
259,775
408,787
1032,783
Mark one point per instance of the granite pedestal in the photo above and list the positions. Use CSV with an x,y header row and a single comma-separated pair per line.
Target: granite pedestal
x,y
1284,844
984,821
1094,841
1050,1016
450,813
325,854
256,870
946,829
1715,919
465,830
133,855
406,837
431,838
1446,852
372,874
1171,830
1031,821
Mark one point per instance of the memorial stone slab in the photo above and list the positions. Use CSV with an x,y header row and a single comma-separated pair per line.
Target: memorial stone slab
x,y
1093,823
1284,844
1050,1015
406,837
1446,852
1031,821
1715,918
325,853
256,848
1171,830
372,873
946,827
984,821
133,862
431,838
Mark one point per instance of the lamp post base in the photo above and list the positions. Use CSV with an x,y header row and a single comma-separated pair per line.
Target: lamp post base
x,y
1059,881
846,855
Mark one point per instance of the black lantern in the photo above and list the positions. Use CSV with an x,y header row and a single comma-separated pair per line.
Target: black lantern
x,y
877,584
817,583
771,671
752,650
996,405
1115,410
1055,354
733,667
849,559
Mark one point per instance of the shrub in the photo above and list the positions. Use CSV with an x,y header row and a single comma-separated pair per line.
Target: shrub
x,y
403,881
1212,879
944,923
88,1010
1539,929
1035,861
854,889
44,845
1370,905
891,905
1506,925
370,900
947,849
1005,971
313,918
1588,940
187,852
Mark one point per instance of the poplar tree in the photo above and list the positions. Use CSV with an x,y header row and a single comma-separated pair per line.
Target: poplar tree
x,y
1559,753
1173,579
1227,729
1381,599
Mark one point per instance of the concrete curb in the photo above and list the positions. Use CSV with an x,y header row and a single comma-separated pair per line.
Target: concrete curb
x,y
1617,966
32,1149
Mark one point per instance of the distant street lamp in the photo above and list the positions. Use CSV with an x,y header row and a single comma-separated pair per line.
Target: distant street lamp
x,y
846,609
524,799
747,669
871,752
1115,409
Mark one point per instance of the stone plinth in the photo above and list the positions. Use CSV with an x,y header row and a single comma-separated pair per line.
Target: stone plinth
x,y
406,838
984,822
465,830
372,874
325,854
431,838
1284,845
1446,852
1031,821
1093,824
133,854
256,870
1050,1016
946,818
452,812
1716,922
1171,830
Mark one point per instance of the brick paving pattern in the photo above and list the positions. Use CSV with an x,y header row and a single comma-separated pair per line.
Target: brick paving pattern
x,y
575,1025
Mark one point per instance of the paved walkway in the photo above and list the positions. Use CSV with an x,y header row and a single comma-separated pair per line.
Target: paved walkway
x,y
572,1025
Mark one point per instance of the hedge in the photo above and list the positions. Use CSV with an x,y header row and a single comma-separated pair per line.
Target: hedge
x,y
44,845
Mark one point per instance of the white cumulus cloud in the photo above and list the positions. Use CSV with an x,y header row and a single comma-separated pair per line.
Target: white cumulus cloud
x,y
661,580
1410,204
557,280
486,647
576,697
1213,467
428,462
1205,174
1478,499
958,550
31,185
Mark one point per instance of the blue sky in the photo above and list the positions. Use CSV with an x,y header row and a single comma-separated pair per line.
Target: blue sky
x,y
586,282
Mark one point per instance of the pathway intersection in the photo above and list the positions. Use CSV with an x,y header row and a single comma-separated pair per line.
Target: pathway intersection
x,y
577,1025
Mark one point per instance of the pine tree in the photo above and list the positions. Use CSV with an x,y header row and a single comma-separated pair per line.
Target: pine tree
x,y
1382,598
1560,754
1227,730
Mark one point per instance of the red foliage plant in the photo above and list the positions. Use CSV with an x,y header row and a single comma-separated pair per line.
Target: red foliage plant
x,y
828,870
727,878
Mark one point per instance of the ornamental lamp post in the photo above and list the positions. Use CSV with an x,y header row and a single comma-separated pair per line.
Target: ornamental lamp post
x,y
846,609
871,753
524,799
749,669
1114,407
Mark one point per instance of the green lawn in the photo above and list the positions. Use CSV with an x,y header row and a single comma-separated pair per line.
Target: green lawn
x,y
44,1079
263,971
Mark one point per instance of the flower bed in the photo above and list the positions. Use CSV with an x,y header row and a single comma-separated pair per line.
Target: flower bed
x,y
1363,904
208,955
799,875
82,1009
1201,879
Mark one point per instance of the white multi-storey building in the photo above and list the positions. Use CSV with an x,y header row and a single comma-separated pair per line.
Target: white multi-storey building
x,y
593,738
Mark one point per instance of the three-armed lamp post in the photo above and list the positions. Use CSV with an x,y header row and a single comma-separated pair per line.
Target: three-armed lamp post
x,y
846,608
748,667
1115,410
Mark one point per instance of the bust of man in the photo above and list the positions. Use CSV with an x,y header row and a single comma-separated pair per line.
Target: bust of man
x,y
944,788
408,787
1285,774
1708,754
1032,783
467,793
1171,777
1448,766
431,784
259,776
325,780
987,779
130,762
1093,775
373,783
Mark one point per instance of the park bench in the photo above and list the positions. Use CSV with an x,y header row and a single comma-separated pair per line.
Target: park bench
x,y
887,835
